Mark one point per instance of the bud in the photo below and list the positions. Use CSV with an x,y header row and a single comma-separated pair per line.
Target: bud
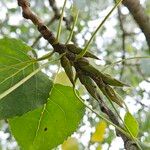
x,y
94,73
90,55
83,62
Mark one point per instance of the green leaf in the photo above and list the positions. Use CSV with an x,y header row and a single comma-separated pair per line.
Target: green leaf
x,y
30,95
47,127
15,65
131,123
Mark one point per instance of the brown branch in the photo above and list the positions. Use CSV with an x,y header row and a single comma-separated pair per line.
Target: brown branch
x,y
140,17
28,14
40,36
123,40
54,18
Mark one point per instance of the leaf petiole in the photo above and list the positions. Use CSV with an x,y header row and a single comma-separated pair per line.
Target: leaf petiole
x,y
47,56
72,30
60,21
97,29
126,59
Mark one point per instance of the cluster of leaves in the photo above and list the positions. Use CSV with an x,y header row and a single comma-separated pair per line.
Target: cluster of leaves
x,y
57,119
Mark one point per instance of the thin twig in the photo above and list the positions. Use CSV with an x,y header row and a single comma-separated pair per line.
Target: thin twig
x,y
60,21
97,29
123,40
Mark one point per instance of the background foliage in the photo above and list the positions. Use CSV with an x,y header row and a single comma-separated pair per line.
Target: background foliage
x,y
107,45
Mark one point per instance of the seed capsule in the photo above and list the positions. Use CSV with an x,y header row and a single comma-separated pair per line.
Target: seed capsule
x,y
114,96
86,67
94,73
108,91
83,62
76,50
67,67
112,81
89,85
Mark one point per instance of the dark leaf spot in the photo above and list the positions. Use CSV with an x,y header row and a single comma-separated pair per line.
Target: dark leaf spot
x,y
45,129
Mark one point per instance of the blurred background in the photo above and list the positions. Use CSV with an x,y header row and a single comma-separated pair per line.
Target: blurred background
x,y
119,38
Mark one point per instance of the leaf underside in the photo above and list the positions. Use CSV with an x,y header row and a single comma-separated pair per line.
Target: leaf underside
x,y
16,64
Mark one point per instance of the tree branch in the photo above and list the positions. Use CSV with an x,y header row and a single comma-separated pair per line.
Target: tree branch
x,y
54,18
40,36
140,17
123,40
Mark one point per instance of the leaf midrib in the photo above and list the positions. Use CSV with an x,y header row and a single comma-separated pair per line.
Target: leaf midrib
x,y
44,110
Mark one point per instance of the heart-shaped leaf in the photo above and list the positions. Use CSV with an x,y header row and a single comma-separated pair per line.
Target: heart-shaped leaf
x,y
47,127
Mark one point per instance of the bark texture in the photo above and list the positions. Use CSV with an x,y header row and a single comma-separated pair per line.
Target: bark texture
x,y
139,15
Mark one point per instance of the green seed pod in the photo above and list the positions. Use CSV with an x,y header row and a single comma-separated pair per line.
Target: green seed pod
x,y
76,50
109,92
112,81
89,85
101,85
83,62
90,55
85,66
73,48
68,68
114,96
94,73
